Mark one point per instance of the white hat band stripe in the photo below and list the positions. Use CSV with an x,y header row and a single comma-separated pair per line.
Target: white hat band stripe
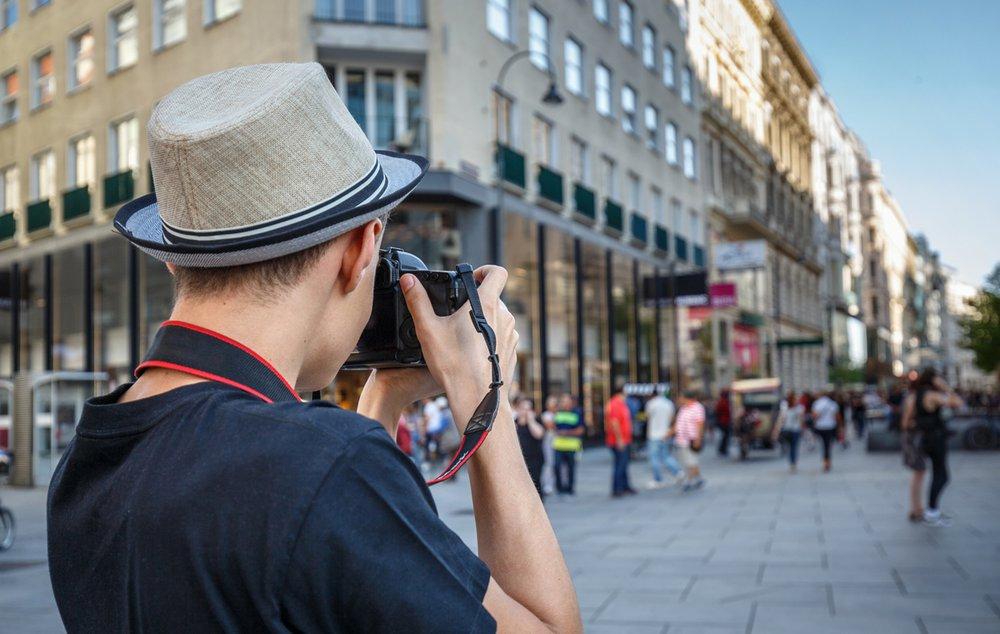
x,y
195,234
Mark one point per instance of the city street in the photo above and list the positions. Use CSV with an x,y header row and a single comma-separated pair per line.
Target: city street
x,y
757,550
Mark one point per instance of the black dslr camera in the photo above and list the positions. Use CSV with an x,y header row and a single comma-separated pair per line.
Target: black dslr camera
x,y
390,339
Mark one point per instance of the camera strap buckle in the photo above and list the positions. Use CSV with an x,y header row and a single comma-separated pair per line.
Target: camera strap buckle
x,y
481,423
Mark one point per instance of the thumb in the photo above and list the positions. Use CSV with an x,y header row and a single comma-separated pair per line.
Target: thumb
x,y
416,300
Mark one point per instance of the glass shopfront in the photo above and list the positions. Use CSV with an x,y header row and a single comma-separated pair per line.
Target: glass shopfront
x,y
596,368
560,312
521,296
623,299
69,347
647,329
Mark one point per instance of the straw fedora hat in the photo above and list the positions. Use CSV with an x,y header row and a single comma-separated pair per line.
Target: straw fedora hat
x,y
257,162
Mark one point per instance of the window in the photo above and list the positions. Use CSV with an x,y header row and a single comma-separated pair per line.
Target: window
x,y
38,4
503,107
625,33
609,177
43,80
43,176
385,108
123,39
694,233
385,11
669,79
652,117
81,55
543,141
169,22
656,202
634,192
413,12
80,163
8,97
538,38
689,158
355,89
354,10
573,58
687,86
498,18
675,216
601,11
10,189
579,161
8,13
670,138
602,89
123,146
628,109
648,47
216,10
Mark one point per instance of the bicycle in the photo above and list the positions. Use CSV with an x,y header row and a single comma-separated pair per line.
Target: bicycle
x,y
7,524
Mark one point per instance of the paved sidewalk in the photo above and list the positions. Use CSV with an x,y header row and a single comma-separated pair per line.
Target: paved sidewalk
x,y
757,550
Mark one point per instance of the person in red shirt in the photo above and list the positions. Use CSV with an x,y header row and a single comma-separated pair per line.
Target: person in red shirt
x,y
618,437
724,419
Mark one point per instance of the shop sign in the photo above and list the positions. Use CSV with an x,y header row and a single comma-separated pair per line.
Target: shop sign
x,y
747,254
722,294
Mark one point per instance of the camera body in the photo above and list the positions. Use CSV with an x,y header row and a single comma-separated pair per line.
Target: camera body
x,y
389,340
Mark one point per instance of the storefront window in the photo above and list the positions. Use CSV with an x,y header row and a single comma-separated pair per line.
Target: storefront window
x,y
429,235
69,351
6,340
596,368
560,281
623,297
111,306
647,330
33,315
157,297
521,297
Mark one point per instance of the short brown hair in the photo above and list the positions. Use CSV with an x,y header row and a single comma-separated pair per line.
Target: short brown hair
x,y
260,278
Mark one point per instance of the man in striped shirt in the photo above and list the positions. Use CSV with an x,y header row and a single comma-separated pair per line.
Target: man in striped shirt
x,y
687,431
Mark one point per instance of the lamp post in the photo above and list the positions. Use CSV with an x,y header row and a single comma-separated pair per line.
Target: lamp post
x,y
552,98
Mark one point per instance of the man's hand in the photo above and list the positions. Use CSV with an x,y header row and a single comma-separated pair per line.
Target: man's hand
x,y
456,354
387,392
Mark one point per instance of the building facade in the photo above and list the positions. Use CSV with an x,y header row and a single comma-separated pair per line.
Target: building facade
x,y
589,203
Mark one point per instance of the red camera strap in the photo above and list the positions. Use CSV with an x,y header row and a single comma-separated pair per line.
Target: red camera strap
x,y
198,351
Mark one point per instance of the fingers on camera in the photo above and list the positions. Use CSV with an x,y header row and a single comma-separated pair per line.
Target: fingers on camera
x,y
491,280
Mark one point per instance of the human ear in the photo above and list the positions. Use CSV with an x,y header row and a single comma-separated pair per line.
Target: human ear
x,y
359,254
172,268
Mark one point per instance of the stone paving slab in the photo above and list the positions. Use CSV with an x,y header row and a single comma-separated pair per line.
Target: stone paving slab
x,y
756,551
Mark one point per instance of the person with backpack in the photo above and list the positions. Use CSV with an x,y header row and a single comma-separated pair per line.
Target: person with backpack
x,y
925,412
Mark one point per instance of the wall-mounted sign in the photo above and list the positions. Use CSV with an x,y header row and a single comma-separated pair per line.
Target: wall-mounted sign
x,y
690,289
732,256
722,294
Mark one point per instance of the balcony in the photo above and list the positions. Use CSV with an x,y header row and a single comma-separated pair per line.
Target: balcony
x,y
386,26
510,165
76,203
680,248
639,229
661,238
118,188
584,202
699,256
7,226
39,215
550,186
614,219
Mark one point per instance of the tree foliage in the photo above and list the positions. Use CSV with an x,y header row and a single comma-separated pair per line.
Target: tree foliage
x,y
981,328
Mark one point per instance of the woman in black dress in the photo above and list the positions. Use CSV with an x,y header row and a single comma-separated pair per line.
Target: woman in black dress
x,y
530,433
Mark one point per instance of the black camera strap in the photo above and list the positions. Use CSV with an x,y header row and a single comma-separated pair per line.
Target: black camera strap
x,y
481,423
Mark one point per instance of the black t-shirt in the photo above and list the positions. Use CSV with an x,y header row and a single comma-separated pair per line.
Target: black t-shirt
x,y
205,509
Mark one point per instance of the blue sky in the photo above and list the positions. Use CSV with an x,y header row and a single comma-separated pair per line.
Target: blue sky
x,y
919,81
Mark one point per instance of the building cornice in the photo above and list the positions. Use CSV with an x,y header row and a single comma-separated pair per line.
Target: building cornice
x,y
778,24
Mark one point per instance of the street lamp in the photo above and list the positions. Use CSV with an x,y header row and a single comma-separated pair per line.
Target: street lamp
x,y
551,97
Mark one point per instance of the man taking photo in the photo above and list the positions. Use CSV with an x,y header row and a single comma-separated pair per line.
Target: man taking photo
x,y
206,495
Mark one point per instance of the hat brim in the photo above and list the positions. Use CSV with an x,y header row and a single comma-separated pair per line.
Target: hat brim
x,y
140,223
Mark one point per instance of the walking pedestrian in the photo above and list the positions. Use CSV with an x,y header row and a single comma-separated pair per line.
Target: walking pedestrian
x,y
687,433
618,437
724,419
791,421
925,412
567,444
529,435
660,414
826,415
548,418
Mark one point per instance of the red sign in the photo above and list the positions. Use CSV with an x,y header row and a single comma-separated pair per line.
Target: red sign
x,y
722,294
746,348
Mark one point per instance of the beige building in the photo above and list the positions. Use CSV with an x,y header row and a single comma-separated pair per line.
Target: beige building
x,y
588,202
